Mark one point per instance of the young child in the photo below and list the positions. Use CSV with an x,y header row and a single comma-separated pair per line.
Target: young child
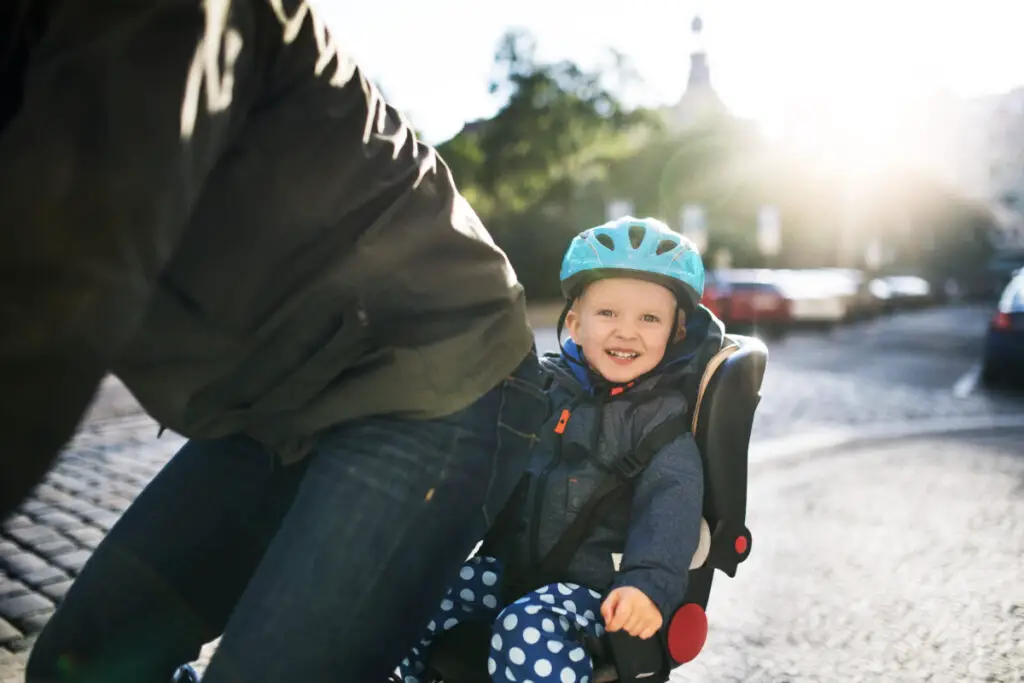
x,y
638,338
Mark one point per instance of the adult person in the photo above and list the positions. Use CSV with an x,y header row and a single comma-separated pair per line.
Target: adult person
x,y
211,201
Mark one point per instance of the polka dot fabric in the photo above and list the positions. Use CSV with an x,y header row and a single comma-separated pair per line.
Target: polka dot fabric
x,y
474,596
536,639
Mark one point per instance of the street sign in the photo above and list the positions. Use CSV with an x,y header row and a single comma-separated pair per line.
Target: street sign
x,y
769,230
874,254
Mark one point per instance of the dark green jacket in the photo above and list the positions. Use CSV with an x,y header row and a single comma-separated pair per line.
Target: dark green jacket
x,y
223,211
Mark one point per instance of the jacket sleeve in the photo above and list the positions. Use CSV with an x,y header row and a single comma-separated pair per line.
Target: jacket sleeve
x,y
664,527
125,106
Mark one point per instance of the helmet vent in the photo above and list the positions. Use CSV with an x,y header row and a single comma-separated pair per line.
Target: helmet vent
x,y
606,241
666,246
636,235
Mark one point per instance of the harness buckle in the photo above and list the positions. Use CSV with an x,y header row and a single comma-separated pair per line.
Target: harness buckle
x,y
629,466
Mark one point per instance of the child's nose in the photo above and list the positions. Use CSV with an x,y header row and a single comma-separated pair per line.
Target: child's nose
x,y
626,330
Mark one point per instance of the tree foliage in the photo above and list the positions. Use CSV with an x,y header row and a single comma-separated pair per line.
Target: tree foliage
x,y
524,169
563,144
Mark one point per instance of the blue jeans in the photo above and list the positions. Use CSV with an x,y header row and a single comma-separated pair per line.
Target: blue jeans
x,y
326,570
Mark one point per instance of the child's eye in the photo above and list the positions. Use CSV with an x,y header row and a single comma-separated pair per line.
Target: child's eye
x,y
606,312
650,318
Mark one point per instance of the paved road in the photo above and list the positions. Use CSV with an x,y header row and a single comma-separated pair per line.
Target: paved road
x,y
930,349
889,563
890,371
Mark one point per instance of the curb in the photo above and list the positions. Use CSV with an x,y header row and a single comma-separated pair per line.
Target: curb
x,y
791,449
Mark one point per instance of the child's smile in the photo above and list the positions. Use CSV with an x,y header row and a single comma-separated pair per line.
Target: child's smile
x,y
623,326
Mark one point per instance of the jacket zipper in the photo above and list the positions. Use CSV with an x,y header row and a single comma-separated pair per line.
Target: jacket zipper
x,y
542,478
538,502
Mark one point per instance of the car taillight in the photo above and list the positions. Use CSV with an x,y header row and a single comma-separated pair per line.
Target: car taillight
x,y
1001,321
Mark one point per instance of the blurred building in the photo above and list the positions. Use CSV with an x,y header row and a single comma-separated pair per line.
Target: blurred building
x,y
699,102
979,149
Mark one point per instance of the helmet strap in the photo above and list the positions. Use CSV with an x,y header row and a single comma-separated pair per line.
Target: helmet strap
x,y
561,319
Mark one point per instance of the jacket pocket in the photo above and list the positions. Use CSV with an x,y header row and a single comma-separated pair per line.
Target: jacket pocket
x,y
525,407
346,350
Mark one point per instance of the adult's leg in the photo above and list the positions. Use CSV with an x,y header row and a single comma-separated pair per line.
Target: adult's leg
x,y
166,577
387,511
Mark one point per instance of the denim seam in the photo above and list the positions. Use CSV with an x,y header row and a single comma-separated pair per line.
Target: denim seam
x,y
494,457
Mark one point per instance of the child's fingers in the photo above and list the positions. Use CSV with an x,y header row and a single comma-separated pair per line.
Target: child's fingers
x,y
636,623
644,624
621,616
651,628
632,617
608,609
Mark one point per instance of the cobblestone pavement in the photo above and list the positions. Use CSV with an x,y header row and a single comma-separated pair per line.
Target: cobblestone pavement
x,y
47,542
117,452
895,563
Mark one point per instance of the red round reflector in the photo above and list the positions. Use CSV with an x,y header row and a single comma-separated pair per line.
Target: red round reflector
x,y
687,633
1001,321
741,545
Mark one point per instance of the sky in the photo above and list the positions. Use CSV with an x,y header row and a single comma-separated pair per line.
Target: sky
x,y
769,59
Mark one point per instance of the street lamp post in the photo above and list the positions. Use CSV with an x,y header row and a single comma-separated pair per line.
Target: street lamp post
x,y
693,225
769,233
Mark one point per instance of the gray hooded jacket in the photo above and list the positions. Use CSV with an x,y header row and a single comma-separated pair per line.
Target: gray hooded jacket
x,y
651,534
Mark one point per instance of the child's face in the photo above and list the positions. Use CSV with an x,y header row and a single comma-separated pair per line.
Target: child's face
x,y
623,326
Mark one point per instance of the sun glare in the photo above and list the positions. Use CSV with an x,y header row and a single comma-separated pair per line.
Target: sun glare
x,y
860,116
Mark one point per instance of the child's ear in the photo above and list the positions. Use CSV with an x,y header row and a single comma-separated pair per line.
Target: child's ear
x,y
572,323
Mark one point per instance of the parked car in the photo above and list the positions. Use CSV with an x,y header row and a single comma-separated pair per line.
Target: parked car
x,y
816,296
882,293
755,302
716,296
870,301
1002,268
1003,358
908,291
848,285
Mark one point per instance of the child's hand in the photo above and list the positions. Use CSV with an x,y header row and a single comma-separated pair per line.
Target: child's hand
x,y
629,609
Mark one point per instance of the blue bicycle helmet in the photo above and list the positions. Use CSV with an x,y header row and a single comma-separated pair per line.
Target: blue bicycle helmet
x,y
644,248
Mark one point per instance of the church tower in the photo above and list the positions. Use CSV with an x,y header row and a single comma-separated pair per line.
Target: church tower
x,y
699,101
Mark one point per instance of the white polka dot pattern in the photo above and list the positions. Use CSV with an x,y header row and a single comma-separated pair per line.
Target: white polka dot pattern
x,y
536,639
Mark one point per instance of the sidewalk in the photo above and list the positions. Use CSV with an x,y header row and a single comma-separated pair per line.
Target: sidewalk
x,y
896,562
